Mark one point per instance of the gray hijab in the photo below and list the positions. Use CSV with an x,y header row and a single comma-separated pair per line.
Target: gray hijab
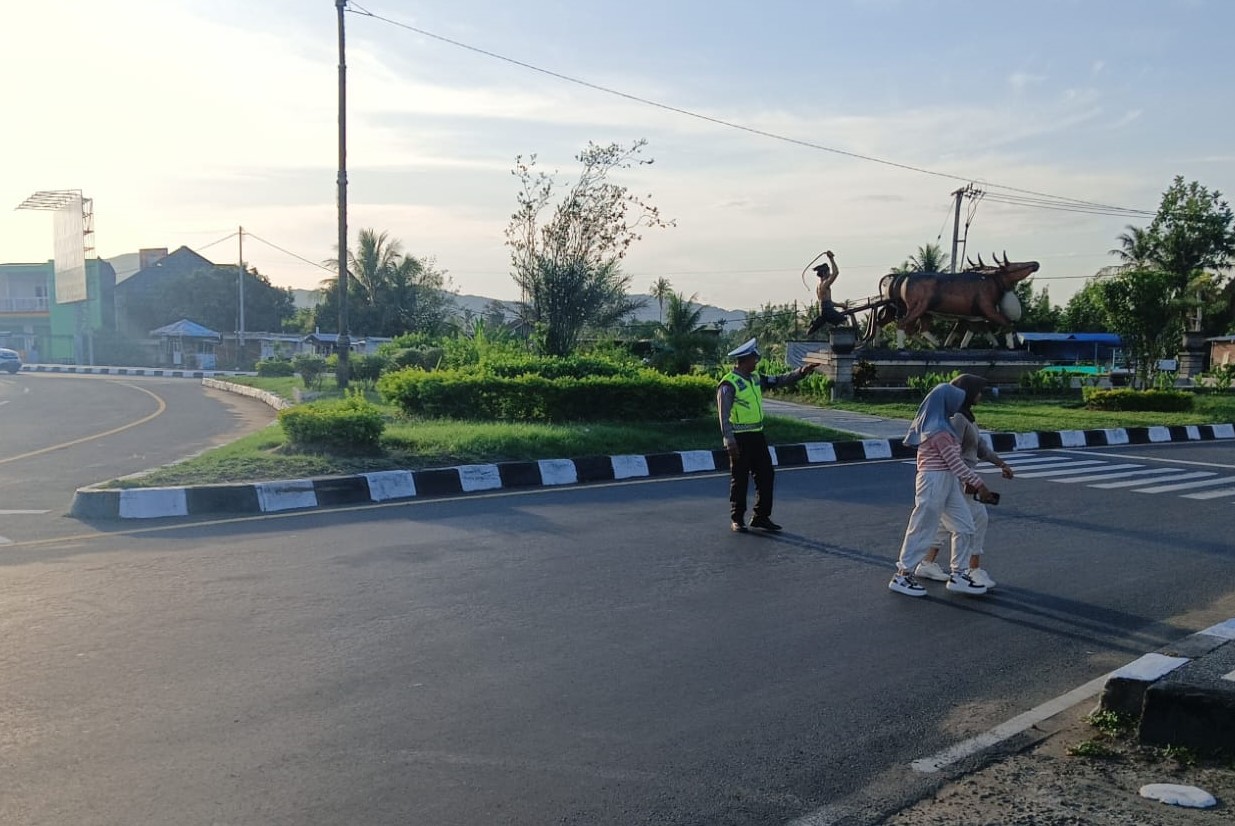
x,y
935,413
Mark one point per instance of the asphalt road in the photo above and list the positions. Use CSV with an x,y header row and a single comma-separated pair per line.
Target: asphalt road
x,y
602,654
59,432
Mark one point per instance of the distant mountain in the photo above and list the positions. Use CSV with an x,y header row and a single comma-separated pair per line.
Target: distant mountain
x,y
479,305
650,311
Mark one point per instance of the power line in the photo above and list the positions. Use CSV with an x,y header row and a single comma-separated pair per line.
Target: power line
x,y
360,10
288,252
220,241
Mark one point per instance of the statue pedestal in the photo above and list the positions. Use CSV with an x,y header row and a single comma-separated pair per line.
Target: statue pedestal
x,y
834,359
1192,356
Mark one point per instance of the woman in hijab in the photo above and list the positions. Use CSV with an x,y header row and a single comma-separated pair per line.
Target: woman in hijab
x,y
973,451
938,494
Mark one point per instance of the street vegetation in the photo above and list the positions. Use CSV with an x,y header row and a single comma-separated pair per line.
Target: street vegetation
x,y
568,375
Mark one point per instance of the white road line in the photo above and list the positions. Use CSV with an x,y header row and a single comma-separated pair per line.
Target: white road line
x,y
1211,494
1015,726
1151,458
1069,472
1071,467
1037,460
1126,473
4,540
21,513
1134,482
1224,480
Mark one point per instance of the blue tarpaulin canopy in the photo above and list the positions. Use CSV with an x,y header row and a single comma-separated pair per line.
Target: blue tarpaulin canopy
x,y
185,329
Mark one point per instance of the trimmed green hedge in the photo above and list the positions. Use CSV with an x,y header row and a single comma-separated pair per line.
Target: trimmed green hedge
x,y
1158,401
275,367
351,424
645,396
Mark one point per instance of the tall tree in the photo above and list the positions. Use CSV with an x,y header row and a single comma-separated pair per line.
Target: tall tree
x,y
211,297
1137,248
1038,315
389,292
928,258
681,341
660,290
1193,231
1084,312
566,256
1138,305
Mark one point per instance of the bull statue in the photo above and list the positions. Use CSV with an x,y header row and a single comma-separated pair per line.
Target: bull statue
x,y
980,294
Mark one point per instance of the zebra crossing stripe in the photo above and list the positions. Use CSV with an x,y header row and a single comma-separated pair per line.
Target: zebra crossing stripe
x,y
1211,494
1225,480
1060,470
1069,471
1134,482
1106,477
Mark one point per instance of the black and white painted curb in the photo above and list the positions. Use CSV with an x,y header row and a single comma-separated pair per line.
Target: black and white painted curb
x,y
1183,694
166,372
385,486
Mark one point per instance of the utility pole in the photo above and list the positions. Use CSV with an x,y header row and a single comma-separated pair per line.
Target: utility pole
x,y
345,343
240,331
956,225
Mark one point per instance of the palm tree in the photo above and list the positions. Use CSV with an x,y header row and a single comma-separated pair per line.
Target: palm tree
x,y
1137,248
928,258
661,289
681,341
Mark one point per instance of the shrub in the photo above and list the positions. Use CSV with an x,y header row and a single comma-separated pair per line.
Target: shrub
x,y
1159,401
648,395
351,424
1046,382
865,374
368,369
275,367
310,368
1222,376
424,357
926,383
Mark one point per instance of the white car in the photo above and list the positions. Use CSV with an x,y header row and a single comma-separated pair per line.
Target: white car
x,y
9,360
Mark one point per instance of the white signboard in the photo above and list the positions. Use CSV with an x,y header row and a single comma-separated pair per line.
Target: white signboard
x,y
70,258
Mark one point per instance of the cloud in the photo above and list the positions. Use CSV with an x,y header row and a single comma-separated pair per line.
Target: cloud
x,y
1020,81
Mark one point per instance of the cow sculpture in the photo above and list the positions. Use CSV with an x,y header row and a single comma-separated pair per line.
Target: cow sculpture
x,y
982,293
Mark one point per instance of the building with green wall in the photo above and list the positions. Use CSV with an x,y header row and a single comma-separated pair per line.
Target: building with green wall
x,y
43,331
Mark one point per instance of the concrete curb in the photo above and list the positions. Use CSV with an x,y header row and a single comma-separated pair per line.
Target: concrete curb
x,y
1183,694
130,371
384,486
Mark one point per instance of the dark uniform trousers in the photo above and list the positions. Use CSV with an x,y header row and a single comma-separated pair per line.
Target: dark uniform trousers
x,y
753,460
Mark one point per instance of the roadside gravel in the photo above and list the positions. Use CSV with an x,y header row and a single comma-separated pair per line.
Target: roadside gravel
x,y
1046,786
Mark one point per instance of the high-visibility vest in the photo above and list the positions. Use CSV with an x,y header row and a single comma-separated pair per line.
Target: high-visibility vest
x,y
747,411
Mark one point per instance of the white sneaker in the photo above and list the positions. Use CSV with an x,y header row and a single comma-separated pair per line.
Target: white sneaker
x,y
930,570
981,577
908,585
961,583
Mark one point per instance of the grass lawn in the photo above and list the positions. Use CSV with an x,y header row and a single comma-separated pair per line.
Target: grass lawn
x,y
417,444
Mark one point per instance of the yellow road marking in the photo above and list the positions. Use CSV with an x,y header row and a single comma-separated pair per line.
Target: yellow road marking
x,y
162,406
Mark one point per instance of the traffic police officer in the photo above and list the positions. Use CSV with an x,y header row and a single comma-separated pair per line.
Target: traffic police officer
x,y
739,401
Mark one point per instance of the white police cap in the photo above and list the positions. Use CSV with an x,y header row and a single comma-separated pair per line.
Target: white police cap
x,y
749,348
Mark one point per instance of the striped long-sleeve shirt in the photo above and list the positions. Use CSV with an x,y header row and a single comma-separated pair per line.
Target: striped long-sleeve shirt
x,y
942,452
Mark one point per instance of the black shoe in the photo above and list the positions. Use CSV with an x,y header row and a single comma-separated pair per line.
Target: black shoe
x,y
738,526
764,524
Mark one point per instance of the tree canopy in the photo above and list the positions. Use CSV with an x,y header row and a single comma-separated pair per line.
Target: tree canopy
x,y
566,254
389,291
212,297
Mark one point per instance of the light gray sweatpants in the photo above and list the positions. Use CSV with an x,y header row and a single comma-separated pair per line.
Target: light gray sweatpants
x,y
937,496
977,545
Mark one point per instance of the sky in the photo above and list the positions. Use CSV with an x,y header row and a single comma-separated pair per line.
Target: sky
x,y
184,120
